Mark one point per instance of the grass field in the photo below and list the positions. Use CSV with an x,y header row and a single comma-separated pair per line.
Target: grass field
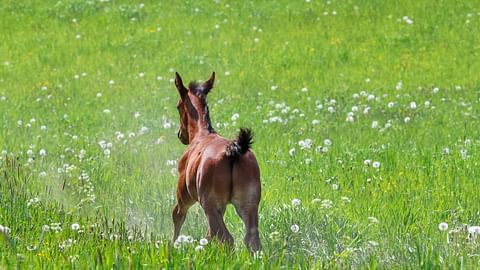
x,y
365,114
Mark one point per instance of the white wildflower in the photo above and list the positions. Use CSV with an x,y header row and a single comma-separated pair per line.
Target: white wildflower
x,y
75,226
474,230
443,226
296,202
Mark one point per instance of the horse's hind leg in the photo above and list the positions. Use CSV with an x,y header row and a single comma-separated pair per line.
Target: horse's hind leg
x,y
246,192
214,194
249,214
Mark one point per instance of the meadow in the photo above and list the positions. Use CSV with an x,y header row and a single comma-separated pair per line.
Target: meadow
x,y
365,115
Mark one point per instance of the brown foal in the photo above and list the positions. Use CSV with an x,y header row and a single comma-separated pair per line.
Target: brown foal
x,y
214,171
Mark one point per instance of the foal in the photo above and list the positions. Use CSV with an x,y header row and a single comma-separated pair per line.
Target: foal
x,y
214,171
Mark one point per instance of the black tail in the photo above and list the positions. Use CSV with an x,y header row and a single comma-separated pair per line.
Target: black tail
x,y
240,145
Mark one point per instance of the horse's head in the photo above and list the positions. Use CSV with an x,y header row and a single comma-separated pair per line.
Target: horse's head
x,y
192,106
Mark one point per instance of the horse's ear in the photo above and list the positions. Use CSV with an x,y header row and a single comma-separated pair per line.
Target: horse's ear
x,y
208,84
179,84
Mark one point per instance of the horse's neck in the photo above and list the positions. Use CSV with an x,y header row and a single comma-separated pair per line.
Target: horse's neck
x,y
199,131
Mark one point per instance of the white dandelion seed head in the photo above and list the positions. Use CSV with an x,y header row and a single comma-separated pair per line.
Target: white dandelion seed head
x,y
177,244
443,226
376,164
295,228
305,144
326,204
296,202
143,130
182,238
4,229
199,248
399,85
75,226
474,230
203,241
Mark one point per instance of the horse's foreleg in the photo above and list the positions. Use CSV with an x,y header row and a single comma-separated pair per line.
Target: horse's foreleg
x,y
179,213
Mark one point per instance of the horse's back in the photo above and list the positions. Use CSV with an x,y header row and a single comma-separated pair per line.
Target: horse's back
x,y
214,173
